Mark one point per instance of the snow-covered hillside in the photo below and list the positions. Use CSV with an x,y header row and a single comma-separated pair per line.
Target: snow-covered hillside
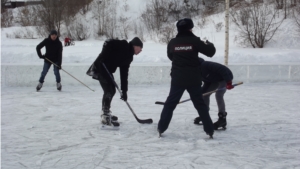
x,y
283,48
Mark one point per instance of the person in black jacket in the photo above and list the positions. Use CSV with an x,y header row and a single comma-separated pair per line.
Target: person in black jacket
x,y
115,53
53,53
215,76
186,74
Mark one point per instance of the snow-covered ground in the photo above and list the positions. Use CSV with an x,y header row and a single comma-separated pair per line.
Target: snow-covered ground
x,y
51,129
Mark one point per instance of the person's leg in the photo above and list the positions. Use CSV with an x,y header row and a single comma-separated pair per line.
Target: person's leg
x,y
46,67
109,92
169,106
197,99
56,73
212,86
206,98
220,96
222,122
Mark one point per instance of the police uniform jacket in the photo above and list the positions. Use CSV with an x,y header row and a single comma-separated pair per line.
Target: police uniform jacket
x,y
183,51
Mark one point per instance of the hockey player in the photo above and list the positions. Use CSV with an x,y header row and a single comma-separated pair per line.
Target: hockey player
x,y
115,53
186,74
215,76
53,53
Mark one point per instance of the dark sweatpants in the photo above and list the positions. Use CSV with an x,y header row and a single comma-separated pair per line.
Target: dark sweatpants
x,y
174,97
109,91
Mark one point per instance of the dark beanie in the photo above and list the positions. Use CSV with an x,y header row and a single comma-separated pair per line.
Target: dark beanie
x,y
137,42
53,32
184,24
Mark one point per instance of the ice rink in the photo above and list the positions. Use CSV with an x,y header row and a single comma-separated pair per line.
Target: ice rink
x,y
51,129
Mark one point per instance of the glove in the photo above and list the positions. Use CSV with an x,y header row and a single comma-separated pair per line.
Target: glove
x,y
229,85
59,67
124,96
207,42
42,57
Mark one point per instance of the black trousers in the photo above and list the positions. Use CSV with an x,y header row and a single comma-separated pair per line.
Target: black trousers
x,y
174,97
109,91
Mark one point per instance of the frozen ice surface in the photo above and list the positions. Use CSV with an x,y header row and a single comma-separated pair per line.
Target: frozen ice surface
x,y
51,129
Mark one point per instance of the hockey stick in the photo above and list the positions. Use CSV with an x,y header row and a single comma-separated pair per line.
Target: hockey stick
x,y
149,121
69,74
205,94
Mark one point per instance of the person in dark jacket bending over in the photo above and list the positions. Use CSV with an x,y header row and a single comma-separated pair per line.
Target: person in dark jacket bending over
x,y
115,53
215,76
53,53
186,74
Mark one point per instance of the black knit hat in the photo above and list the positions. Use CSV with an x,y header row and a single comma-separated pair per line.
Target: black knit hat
x,y
184,24
53,32
137,42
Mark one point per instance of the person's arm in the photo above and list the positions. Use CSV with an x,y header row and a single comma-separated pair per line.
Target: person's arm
x,y
39,47
207,48
124,77
169,52
124,81
205,87
60,51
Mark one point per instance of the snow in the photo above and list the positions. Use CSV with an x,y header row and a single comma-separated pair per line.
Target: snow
x,y
51,129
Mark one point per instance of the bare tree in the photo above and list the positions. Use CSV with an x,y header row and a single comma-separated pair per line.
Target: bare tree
x,y
103,12
279,4
218,26
167,33
51,14
293,3
155,15
27,16
79,31
195,7
6,18
257,24
84,5
175,9
191,8
141,32
296,14
124,27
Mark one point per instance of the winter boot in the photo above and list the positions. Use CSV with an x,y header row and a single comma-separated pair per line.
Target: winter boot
x,y
210,135
58,85
106,119
159,133
197,120
221,121
39,86
113,118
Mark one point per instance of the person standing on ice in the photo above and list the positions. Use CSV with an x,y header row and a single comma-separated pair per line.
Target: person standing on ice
x,y
53,53
114,54
215,76
186,74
